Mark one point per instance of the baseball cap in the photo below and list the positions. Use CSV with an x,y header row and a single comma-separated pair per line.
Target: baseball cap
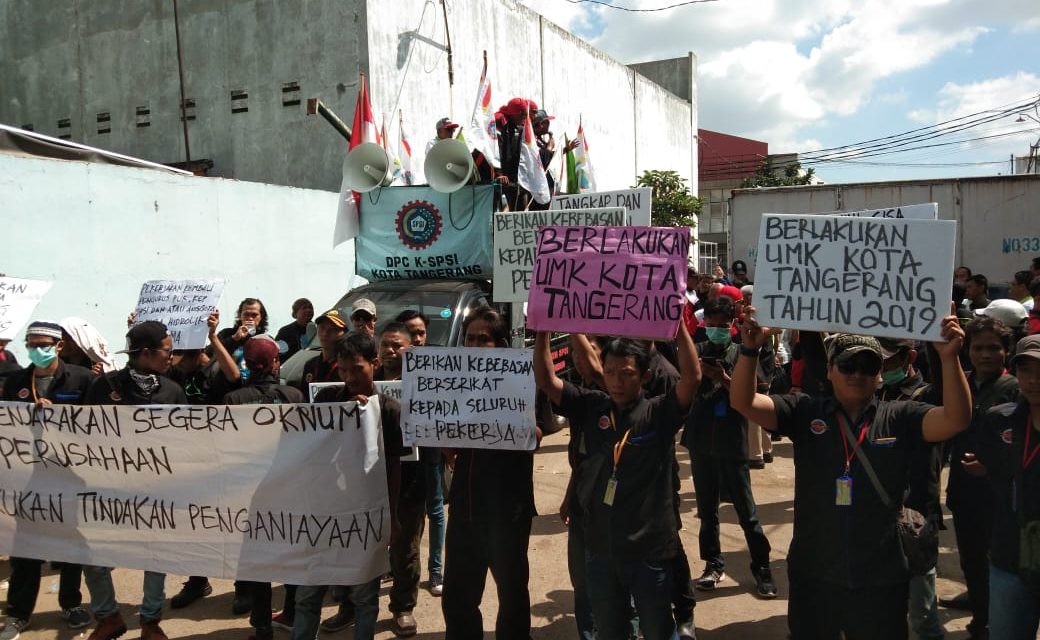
x,y
843,347
732,293
332,315
44,329
446,123
146,335
539,115
260,352
891,347
363,304
1028,347
1010,312
739,266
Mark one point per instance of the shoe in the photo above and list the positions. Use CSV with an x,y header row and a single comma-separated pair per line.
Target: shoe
x,y
13,629
108,628
775,437
404,624
436,586
338,622
767,457
766,588
388,577
76,617
687,632
243,603
190,592
757,464
264,633
961,602
710,578
282,621
150,630
338,593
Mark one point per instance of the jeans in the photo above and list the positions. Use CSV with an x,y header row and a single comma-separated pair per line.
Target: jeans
x,y
1014,611
364,597
435,512
25,587
472,548
103,593
710,475
576,569
822,611
613,584
924,610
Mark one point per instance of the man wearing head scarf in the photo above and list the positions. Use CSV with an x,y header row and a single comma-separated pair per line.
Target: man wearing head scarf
x,y
85,346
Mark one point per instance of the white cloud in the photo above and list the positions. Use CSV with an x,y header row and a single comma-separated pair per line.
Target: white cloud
x,y
771,69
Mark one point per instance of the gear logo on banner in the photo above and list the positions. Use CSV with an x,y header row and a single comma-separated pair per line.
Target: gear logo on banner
x,y
418,224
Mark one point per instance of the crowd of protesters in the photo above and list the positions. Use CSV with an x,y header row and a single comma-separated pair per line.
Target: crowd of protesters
x,y
872,420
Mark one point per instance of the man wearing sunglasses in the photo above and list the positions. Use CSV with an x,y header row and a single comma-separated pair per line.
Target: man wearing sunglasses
x,y
149,347
847,571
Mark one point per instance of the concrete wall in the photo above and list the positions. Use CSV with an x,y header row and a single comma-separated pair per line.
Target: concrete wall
x,y
997,232
98,231
77,59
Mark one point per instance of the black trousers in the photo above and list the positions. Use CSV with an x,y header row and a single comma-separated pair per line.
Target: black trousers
x,y
973,527
822,611
711,475
404,552
260,616
472,547
683,599
24,587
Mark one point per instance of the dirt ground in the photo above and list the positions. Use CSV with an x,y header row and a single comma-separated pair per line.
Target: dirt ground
x,y
730,612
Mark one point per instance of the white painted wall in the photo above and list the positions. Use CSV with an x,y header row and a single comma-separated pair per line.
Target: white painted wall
x,y
631,123
997,232
98,231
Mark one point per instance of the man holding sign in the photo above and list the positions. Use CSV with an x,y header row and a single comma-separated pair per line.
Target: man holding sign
x,y
848,573
624,484
150,349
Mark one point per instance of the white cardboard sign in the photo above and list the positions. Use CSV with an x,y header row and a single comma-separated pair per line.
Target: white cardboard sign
x,y
182,305
460,397
875,276
18,300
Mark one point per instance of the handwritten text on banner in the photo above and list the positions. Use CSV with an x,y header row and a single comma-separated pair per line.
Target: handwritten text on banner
x,y
182,305
198,490
468,398
876,276
623,281
18,299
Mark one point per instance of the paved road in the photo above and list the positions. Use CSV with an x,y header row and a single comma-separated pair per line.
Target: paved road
x,y
731,612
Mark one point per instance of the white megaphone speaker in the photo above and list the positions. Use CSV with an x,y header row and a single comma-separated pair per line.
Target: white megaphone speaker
x,y
448,165
367,167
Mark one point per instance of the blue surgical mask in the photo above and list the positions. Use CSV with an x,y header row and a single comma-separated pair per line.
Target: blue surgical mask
x,y
42,357
718,335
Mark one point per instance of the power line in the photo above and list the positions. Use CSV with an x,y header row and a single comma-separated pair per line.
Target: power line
x,y
629,9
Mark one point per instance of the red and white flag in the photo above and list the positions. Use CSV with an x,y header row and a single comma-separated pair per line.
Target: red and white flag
x,y
404,154
484,137
531,175
363,130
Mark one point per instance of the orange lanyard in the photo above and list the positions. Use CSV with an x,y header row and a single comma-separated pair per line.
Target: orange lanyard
x,y
619,446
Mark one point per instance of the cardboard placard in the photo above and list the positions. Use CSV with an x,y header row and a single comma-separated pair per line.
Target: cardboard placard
x,y
182,305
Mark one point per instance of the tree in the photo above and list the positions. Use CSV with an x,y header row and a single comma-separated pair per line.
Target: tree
x,y
769,175
673,204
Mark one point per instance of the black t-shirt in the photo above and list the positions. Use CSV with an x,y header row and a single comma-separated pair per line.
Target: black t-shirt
x,y
203,386
318,369
1015,493
264,391
68,385
641,524
117,388
856,545
295,337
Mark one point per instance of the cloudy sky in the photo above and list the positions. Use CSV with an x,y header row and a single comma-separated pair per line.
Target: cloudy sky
x,y
805,76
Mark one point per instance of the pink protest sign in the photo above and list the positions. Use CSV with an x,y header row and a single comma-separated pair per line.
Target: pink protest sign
x,y
619,281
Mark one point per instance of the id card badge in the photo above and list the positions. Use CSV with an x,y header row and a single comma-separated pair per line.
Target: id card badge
x,y
843,491
608,497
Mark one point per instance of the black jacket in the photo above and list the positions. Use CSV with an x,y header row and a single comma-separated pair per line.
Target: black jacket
x,y
118,388
69,386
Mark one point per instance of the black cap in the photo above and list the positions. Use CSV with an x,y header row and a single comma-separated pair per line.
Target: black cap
x,y
739,266
146,335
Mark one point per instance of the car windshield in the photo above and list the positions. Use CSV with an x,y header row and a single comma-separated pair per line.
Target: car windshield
x,y
438,306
